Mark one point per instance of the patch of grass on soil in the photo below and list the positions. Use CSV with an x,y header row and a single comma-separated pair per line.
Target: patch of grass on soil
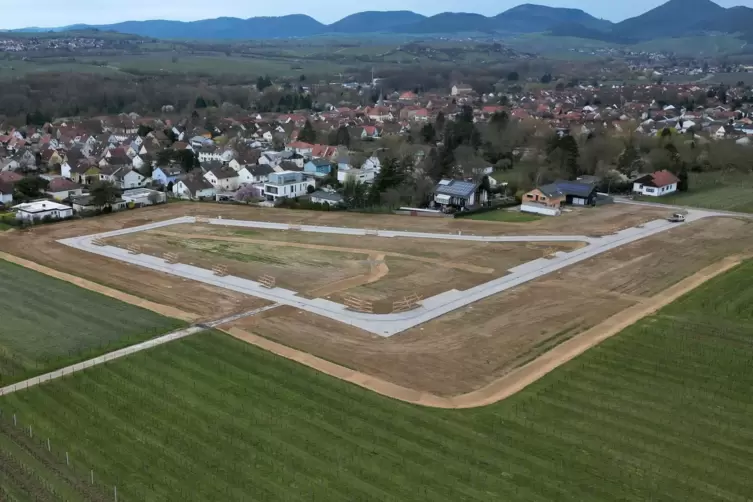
x,y
504,215
46,323
659,412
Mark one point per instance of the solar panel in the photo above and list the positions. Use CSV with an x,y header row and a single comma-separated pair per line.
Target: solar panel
x,y
459,188
445,182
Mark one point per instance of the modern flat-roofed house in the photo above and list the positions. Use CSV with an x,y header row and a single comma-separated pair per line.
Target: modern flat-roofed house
x,y
460,194
285,184
577,193
331,198
656,184
42,209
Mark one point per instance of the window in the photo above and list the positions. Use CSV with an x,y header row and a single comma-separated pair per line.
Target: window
x,y
528,195
649,190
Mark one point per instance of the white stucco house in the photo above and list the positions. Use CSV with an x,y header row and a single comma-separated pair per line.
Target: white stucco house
x,y
42,209
656,184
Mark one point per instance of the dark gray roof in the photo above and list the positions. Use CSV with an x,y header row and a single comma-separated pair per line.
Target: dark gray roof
x,y
171,170
331,196
320,162
456,188
260,169
224,173
550,190
576,188
195,184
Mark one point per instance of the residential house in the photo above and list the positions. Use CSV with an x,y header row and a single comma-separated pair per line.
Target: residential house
x,y
656,184
379,114
62,188
727,131
85,203
300,148
546,200
372,164
461,90
130,178
164,175
362,175
140,197
254,174
8,165
223,179
370,132
318,167
194,187
6,194
331,198
577,193
10,177
42,210
286,184
460,194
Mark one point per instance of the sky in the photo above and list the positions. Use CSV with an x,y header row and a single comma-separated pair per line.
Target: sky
x,y
53,13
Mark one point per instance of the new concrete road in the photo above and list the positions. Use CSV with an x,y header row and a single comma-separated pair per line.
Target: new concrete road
x,y
383,324
174,335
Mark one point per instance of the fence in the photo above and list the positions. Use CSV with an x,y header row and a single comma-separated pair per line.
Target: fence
x,y
58,461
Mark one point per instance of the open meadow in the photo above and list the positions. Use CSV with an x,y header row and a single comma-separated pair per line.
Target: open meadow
x,y
48,323
658,412
727,192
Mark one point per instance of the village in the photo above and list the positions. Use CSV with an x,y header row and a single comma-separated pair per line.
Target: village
x,y
91,165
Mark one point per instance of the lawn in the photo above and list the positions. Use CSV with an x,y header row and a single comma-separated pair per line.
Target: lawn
x,y
659,412
728,192
47,323
504,215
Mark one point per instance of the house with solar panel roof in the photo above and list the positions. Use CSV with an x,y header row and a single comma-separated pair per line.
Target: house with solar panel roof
x,y
460,194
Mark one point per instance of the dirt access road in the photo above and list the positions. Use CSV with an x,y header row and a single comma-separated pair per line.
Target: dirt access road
x,y
516,380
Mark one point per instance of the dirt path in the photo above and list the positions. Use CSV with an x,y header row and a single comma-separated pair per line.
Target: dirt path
x,y
459,266
93,286
377,272
519,378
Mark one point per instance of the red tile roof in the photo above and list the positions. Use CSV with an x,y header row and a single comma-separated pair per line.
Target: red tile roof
x,y
10,177
664,178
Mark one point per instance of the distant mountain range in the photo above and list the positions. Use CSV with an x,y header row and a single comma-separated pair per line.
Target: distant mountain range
x,y
674,18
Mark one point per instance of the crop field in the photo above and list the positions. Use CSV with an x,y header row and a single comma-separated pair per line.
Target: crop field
x,y
659,412
379,269
48,323
728,192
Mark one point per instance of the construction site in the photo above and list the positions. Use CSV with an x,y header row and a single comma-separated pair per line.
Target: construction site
x,y
435,305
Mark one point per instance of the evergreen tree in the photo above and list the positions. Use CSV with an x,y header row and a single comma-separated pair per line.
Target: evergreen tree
x,y
428,134
439,124
307,134
200,103
342,136
683,184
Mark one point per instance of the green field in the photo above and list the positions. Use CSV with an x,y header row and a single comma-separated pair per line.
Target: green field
x,y
660,412
46,323
503,215
728,192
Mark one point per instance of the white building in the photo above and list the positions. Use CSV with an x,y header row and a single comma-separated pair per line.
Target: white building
x,y
286,184
143,197
223,178
656,184
364,176
42,209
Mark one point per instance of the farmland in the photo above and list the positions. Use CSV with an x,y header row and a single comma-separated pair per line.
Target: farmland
x,y
635,418
48,323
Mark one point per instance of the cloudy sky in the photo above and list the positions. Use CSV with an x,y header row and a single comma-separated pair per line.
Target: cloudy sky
x,y
49,13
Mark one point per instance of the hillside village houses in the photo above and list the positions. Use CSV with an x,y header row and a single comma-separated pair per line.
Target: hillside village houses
x,y
263,150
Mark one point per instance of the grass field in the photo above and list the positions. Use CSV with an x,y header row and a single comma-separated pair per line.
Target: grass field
x,y
659,412
47,323
502,215
728,192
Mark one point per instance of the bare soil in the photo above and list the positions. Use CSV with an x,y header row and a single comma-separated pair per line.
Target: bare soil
x,y
471,347
516,380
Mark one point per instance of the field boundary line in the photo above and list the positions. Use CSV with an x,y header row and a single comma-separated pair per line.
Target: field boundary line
x,y
516,380
117,354
159,308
